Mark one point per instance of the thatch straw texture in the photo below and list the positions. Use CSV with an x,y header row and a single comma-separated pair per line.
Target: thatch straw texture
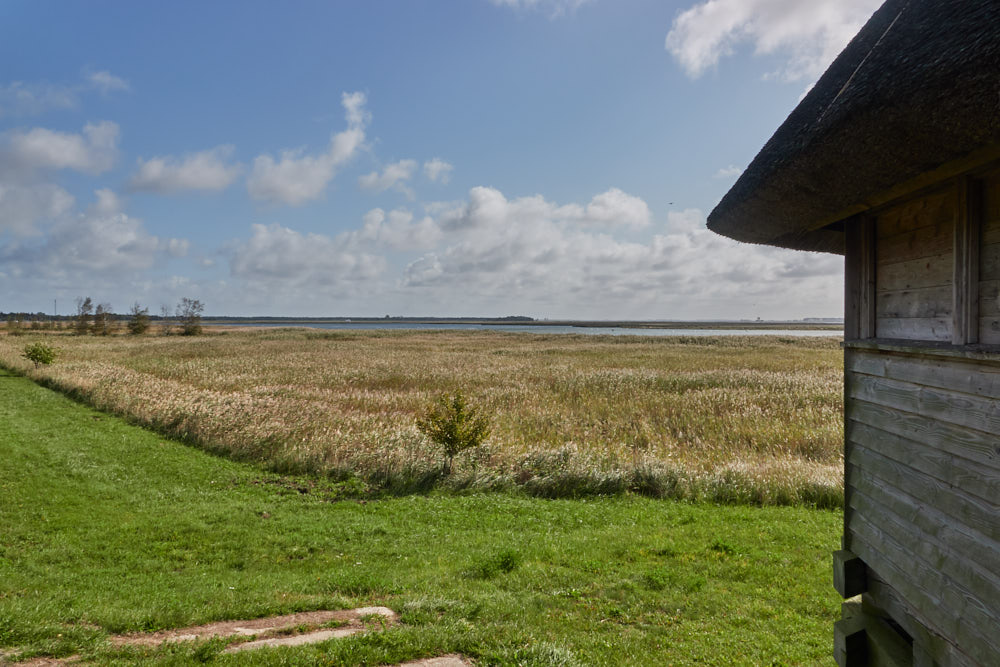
x,y
918,87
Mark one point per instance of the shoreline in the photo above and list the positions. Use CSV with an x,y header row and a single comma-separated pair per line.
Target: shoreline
x,y
617,324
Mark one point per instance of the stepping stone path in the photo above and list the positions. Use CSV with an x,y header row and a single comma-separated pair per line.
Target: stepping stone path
x,y
350,622
275,631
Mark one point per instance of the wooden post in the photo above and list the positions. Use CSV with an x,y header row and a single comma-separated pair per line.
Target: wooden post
x,y
968,220
859,278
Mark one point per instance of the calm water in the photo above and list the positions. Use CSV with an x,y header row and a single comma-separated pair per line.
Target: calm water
x,y
546,329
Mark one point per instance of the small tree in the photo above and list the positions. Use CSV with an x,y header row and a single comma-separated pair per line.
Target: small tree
x,y
102,320
189,312
13,325
455,424
167,324
84,309
40,353
138,321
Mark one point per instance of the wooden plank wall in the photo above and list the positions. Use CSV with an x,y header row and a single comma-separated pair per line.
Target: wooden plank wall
x,y
989,262
914,268
923,494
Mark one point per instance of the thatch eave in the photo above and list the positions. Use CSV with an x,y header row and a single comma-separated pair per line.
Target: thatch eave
x,y
917,89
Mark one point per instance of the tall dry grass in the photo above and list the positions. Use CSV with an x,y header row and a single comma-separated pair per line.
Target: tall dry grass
x,y
733,419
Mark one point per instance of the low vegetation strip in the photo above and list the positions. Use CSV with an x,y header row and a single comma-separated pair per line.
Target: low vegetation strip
x,y
109,529
732,419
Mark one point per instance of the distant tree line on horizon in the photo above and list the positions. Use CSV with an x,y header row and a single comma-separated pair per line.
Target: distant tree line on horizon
x,y
100,319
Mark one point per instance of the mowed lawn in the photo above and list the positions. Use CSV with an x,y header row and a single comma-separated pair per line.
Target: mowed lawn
x,y
750,419
108,528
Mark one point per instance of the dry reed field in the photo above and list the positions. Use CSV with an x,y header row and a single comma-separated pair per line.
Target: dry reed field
x,y
733,419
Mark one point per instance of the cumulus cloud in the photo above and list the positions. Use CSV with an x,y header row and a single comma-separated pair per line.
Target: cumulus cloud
x,y
23,207
437,170
397,230
93,151
102,241
807,35
617,208
107,202
528,253
206,170
488,208
295,178
554,8
278,255
394,176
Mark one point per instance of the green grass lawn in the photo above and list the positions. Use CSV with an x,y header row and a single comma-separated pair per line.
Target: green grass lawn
x,y
107,528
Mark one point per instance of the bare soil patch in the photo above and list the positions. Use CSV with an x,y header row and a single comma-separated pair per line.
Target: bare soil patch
x,y
288,630
266,630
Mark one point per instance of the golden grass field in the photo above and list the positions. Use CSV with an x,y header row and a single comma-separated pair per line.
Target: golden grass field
x,y
735,419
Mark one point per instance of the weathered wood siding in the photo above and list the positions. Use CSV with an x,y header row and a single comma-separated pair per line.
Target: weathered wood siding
x,y
989,262
914,255
922,484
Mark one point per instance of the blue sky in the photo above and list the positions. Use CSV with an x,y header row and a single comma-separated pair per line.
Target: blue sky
x,y
552,158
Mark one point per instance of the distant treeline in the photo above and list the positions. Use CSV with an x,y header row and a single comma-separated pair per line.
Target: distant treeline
x,y
387,318
100,320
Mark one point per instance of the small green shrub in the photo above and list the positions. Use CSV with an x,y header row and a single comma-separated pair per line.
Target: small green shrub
x,y
505,561
40,353
455,424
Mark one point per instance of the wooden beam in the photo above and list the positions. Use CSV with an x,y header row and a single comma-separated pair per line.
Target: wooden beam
x,y
976,161
965,285
850,643
850,575
859,278
863,638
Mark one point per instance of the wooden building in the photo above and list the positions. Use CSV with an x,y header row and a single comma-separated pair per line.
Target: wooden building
x,y
893,159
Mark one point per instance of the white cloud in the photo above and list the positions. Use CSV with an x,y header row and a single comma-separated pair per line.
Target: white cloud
x,y
394,176
22,207
278,255
206,170
295,178
21,99
94,151
531,255
26,99
732,171
808,35
437,170
397,231
101,243
106,82
554,8
108,203
488,208
354,107
617,208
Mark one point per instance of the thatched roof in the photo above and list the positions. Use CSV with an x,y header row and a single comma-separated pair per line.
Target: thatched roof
x,y
918,87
